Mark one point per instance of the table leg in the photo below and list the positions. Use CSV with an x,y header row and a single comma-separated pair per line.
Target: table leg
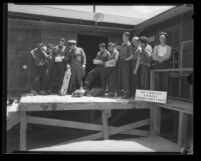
x,y
155,120
183,127
23,128
105,125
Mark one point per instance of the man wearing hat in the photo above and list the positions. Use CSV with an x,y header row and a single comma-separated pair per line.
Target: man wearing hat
x,y
111,70
76,60
59,64
99,61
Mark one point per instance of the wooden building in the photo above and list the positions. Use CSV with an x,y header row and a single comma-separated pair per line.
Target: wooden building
x,y
29,25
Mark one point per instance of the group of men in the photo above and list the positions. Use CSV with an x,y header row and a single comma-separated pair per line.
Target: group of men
x,y
120,72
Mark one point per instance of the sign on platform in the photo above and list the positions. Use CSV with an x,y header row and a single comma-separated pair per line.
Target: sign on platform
x,y
151,96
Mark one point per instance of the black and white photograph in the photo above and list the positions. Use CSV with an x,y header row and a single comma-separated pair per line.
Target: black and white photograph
x,y
100,78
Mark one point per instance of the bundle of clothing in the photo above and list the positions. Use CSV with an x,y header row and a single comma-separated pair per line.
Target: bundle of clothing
x,y
95,92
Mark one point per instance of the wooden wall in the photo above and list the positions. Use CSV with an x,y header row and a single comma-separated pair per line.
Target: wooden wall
x,y
22,39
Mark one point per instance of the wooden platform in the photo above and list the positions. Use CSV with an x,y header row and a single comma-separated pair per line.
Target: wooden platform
x,y
142,144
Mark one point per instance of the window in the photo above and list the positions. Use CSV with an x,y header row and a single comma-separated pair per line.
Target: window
x,y
187,53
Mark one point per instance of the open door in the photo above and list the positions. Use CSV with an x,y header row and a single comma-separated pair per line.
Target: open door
x,y
90,45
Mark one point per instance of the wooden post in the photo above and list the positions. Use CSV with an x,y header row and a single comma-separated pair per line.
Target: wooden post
x,y
155,120
105,125
183,127
23,128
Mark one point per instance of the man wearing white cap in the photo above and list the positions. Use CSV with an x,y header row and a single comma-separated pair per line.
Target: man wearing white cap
x,y
77,62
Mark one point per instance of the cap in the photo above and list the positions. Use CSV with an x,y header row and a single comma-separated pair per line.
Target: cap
x,y
102,44
163,33
72,42
135,38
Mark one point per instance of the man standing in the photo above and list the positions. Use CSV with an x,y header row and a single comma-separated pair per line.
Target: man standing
x,y
124,67
39,81
77,62
135,78
59,65
145,60
99,61
111,70
50,49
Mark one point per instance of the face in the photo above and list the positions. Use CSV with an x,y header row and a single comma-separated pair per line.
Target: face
x,y
142,45
71,46
61,43
162,39
101,48
135,42
125,38
111,48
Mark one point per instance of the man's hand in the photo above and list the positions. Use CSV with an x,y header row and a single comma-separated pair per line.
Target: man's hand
x,y
83,68
134,72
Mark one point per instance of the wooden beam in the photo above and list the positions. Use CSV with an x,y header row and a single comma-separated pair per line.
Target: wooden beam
x,y
13,119
23,128
105,125
183,128
63,123
112,131
118,116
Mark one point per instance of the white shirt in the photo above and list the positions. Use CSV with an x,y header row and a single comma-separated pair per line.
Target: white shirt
x,y
162,50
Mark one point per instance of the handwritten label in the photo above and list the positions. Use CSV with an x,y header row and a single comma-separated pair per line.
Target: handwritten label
x,y
151,96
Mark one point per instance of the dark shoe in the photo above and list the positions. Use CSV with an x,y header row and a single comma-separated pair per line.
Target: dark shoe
x,y
33,92
126,95
110,94
42,92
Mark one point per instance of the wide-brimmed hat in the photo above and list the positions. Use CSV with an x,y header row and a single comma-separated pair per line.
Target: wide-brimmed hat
x,y
72,42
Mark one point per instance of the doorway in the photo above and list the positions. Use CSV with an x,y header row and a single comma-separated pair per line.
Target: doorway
x,y
90,46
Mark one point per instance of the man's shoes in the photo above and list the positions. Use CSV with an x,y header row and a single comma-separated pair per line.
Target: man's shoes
x,y
33,92
42,92
126,95
110,94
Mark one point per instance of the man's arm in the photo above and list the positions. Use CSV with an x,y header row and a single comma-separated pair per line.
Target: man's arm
x,y
96,61
84,59
32,52
116,56
138,52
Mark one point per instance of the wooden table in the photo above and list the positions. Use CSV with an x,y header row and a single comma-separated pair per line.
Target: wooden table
x,y
65,103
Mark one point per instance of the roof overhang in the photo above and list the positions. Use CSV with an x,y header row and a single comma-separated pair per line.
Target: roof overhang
x,y
162,17
65,13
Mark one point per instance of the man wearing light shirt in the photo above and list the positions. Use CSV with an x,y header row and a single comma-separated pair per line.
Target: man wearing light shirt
x,y
99,61
59,64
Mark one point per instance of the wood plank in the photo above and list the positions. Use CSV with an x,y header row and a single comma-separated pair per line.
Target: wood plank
x,y
136,132
54,103
155,120
23,128
63,123
176,105
183,128
105,125
113,131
